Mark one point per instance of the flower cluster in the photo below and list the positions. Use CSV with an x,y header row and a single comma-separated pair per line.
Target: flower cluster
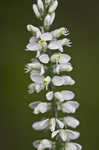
x,y
46,73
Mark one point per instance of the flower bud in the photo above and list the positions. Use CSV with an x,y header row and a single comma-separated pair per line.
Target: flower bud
x,y
36,11
40,6
49,19
34,30
53,6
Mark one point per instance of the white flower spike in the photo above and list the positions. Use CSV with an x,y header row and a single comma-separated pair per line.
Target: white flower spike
x,y
48,73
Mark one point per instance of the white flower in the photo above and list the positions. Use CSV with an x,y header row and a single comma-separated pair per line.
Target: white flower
x,y
40,81
43,144
72,146
57,81
44,58
49,95
36,11
40,6
36,45
60,58
35,87
59,32
62,80
36,31
48,123
49,20
39,42
68,80
58,44
39,107
63,135
53,6
69,107
35,65
62,67
72,135
41,125
64,95
66,135
71,122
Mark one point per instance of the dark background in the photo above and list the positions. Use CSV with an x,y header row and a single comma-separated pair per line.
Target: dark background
x,y
82,19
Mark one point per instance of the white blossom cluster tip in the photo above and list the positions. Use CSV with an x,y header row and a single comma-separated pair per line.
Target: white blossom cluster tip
x,y
47,72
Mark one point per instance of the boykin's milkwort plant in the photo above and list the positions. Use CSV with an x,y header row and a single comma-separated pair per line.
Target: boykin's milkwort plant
x,y
47,71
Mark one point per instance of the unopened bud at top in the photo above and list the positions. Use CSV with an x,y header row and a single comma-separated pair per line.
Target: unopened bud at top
x,y
53,7
36,11
40,5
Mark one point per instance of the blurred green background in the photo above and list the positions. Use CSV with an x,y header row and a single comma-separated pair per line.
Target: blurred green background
x,y
82,19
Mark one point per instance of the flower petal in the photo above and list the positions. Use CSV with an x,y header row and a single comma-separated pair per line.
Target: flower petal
x,y
44,58
60,123
49,96
46,36
41,125
70,146
54,45
34,104
72,135
73,146
71,122
35,77
70,107
46,143
68,80
67,95
58,81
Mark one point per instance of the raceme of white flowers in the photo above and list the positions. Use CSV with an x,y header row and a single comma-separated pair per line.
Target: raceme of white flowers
x,y
47,71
